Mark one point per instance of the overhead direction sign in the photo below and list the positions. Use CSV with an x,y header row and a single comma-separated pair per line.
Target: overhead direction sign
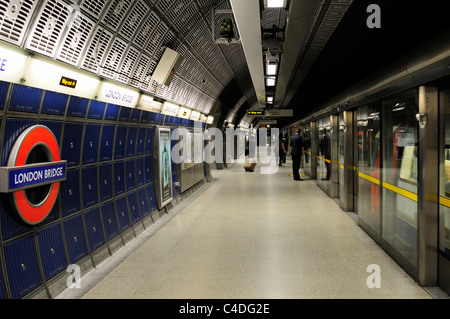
x,y
280,113
256,113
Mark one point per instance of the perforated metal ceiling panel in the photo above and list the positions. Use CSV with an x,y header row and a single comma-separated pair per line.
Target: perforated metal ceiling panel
x,y
76,39
124,40
14,19
49,27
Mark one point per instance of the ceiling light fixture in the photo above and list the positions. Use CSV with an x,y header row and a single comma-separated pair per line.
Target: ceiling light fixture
x,y
271,68
270,81
275,3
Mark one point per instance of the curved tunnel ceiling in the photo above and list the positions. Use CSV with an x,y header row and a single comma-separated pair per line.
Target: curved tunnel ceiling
x,y
123,40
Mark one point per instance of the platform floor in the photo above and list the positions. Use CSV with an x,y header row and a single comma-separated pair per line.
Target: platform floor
x,y
250,235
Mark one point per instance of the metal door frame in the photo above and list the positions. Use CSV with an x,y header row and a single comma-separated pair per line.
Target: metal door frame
x,y
428,192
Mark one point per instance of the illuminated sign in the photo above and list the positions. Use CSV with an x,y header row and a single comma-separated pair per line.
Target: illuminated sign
x,y
195,116
19,176
162,166
115,94
170,109
68,82
280,113
184,113
256,113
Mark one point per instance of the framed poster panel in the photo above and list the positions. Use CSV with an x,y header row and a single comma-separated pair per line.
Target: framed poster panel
x,y
162,166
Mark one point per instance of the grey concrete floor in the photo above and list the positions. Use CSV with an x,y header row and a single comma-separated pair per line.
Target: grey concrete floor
x,y
254,236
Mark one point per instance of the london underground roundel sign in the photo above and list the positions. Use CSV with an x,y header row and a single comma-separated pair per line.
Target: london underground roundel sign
x,y
20,175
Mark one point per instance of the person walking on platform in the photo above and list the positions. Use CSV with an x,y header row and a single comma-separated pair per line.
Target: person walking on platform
x,y
296,153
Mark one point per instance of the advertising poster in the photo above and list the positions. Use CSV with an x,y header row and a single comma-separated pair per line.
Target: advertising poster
x,y
164,191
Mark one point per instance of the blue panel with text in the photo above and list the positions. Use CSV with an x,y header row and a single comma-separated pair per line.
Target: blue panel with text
x,y
131,141
143,203
4,86
140,172
140,141
109,220
105,182
130,168
89,186
14,127
94,228
119,178
148,169
121,142
77,107
107,143
133,208
96,110
25,99
91,140
54,103
70,192
135,115
55,127
22,266
51,250
151,197
112,112
125,113
122,213
75,238
149,140
71,147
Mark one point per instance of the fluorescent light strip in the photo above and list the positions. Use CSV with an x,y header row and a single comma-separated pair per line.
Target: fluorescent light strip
x,y
275,3
271,68
270,81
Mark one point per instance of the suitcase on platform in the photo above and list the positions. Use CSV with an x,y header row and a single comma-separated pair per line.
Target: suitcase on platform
x,y
250,165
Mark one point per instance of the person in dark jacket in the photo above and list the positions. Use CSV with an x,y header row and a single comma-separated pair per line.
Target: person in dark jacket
x,y
296,153
282,150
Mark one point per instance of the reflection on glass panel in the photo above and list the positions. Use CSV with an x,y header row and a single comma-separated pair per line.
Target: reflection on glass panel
x,y
368,122
400,164
341,155
307,148
444,230
444,216
324,153
320,163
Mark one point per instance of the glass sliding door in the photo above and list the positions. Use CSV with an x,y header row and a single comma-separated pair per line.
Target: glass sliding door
x,y
368,166
444,200
324,154
307,150
341,157
320,135
400,179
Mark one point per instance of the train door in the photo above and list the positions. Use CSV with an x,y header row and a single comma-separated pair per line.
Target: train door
x,y
400,179
341,159
368,169
307,162
324,155
345,161
444,199
320,164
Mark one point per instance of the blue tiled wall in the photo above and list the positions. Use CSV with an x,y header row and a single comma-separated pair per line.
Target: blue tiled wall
x,y
109,184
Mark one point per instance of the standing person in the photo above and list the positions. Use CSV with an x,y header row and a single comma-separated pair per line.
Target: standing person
x,y
296,153
282,150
